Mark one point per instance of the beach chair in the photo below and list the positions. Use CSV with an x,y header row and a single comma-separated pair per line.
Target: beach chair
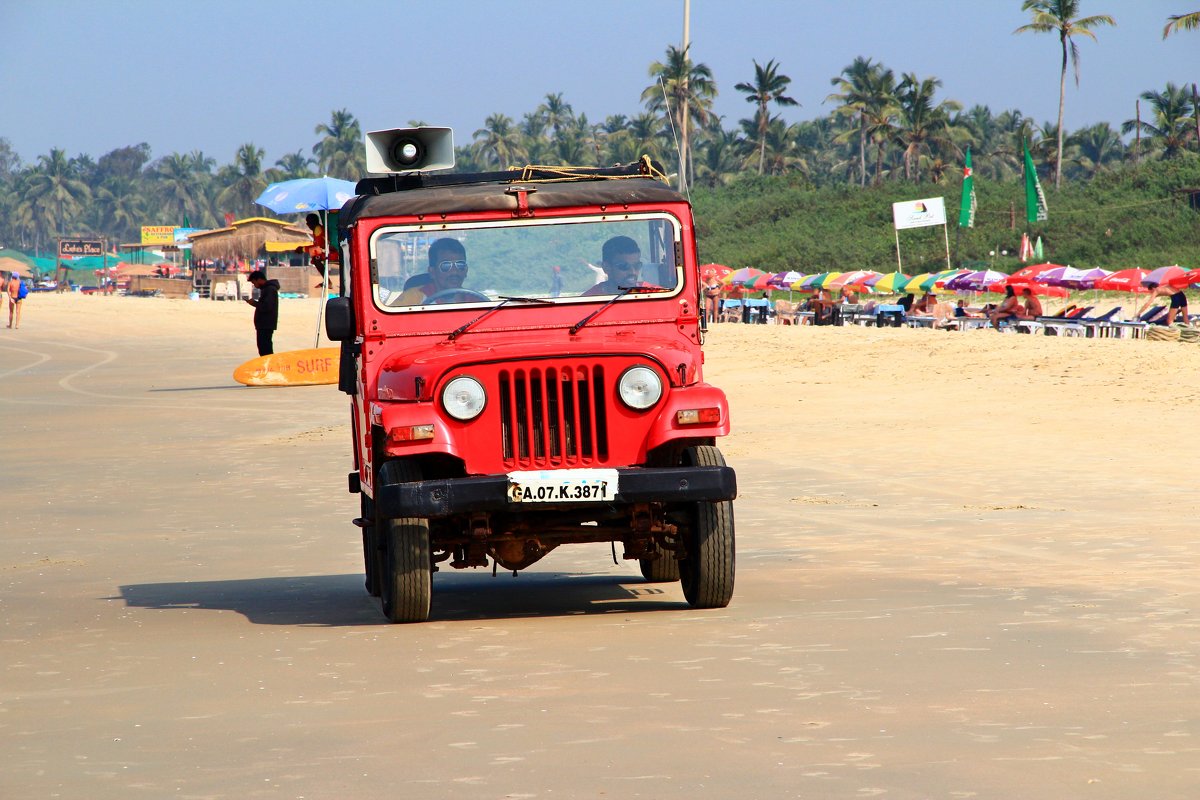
x,y
731,311
1098,326
1136,329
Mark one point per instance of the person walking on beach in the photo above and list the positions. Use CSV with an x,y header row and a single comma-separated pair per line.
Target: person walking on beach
x,y
16,297
266,310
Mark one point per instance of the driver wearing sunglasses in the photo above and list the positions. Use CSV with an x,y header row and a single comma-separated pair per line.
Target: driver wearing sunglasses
x,y
622,262
447,271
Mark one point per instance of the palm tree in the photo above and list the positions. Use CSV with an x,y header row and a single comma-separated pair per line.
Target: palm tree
x,y
924,126
1182,22
498,142
555,113
55,186
340,153
769,85
1171,127
1096,148
292,166
244,180
689,91
1061,16
862,94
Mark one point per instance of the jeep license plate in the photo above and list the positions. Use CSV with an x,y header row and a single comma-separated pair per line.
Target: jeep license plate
x,y
562,486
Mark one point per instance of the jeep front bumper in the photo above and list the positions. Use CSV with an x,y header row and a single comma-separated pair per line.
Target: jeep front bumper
x,y
447,497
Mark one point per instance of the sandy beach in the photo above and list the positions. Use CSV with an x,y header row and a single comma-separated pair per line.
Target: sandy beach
x,y
968,567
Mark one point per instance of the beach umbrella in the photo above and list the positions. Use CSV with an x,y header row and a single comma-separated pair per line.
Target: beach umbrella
x,y
891,283
1035,288
717,271
306,194
1193,276
975,281
810,282
782,280
742,276
1125,280
1174,275
919,283
760,283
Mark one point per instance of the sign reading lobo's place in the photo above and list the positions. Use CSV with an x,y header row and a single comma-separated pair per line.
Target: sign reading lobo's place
x,y
919,213
80,247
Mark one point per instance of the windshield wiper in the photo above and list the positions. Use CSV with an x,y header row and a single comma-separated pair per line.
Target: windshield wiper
x,y
466,326
624,290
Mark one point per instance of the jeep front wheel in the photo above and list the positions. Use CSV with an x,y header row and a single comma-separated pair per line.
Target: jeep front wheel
x,y
707,570
406,576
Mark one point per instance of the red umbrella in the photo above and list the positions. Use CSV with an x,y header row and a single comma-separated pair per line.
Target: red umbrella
x,y
1035,288
1126,280
715,270
1030,273
761,283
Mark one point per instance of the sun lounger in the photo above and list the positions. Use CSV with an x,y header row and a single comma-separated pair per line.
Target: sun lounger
x,y
1136,329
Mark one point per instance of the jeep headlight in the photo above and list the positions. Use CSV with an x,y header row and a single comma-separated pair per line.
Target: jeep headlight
x,y
464,398
640,388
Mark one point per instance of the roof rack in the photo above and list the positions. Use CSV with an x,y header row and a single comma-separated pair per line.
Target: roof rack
x,y
643,168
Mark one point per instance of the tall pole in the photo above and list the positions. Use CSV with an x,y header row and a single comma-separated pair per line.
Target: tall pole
x,y
683,123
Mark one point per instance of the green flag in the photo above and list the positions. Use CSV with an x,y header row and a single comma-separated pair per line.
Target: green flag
x,y
966,214
1035,198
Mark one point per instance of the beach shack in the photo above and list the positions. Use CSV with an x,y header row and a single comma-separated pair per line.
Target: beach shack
x,y
249,240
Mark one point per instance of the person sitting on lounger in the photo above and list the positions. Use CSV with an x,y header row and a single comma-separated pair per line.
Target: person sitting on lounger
x,y
1007,310
1032,308
924,306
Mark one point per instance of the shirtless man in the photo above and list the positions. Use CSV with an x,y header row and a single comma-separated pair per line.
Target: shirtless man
x,y
1178,301
1033,306
14,299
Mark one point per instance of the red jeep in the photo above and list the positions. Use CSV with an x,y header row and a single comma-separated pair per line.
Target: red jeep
x,y
510,396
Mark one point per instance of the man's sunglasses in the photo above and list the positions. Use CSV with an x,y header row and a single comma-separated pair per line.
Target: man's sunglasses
x,y
447,266
628,265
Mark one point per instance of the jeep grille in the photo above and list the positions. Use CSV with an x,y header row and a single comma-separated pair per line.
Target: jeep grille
x,y
553,416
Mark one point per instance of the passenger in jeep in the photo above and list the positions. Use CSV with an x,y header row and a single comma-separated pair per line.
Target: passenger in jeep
x,y
622,262
447,271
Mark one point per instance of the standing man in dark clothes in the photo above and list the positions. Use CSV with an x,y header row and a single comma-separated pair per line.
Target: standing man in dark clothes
x,y
266,310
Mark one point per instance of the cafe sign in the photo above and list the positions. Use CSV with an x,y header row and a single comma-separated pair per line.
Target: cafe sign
x,y
158,234
70,248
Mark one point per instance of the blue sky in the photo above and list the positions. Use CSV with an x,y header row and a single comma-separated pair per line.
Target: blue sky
x,y
211,75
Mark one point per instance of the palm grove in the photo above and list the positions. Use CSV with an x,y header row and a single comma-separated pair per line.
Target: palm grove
x,y
884,131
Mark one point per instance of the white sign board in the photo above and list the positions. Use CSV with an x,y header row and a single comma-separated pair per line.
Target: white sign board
x,y
919,213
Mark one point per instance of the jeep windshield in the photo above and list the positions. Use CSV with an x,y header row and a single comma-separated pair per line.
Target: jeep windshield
x,y
430,267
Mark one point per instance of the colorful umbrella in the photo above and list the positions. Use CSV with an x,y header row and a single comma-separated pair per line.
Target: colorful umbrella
x,y
1172,276
1126,280
742,276
761,283
891,283
975,281
782,280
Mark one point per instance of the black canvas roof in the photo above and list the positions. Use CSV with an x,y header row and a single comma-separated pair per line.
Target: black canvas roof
x,y
496,191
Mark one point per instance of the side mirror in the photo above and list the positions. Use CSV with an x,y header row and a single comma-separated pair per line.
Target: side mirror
x,y
339,319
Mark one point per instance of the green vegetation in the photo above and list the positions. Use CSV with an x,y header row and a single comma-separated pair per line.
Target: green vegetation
x,y
1133,217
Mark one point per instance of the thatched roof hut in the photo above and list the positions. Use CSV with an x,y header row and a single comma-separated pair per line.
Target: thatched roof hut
x,y
248,239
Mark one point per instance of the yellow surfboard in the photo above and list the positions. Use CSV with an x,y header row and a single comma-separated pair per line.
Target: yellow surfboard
x,y
292,368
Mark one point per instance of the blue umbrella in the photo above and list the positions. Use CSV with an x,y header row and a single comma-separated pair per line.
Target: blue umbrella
x,y
306,194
